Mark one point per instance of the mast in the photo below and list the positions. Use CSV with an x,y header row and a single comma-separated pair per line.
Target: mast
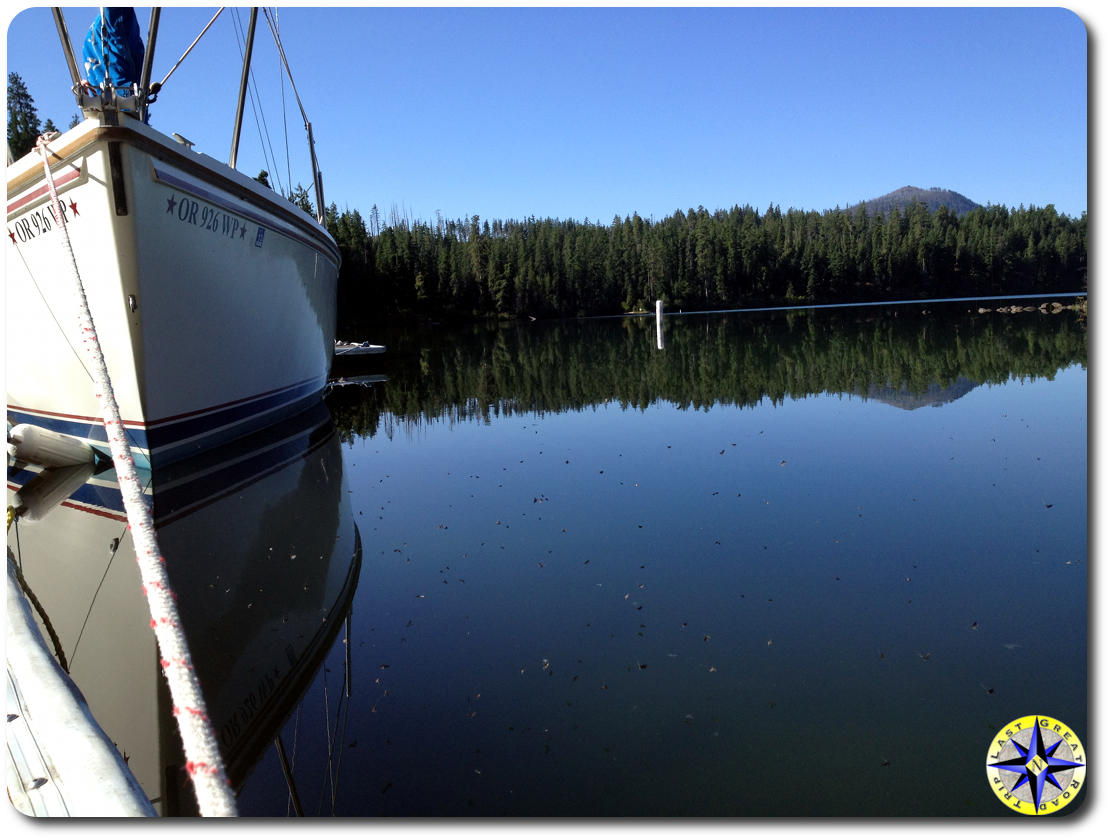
x,y
67,47
243,87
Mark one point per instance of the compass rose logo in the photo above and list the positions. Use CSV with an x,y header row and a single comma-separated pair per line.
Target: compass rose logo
x,y
1036,765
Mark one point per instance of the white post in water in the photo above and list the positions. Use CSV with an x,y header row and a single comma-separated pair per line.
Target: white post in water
x,y
659,324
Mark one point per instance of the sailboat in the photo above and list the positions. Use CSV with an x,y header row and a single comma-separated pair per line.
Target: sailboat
x,y
214,296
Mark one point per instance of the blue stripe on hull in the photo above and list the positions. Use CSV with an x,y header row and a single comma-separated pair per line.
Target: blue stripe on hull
x,y
166,441
171,440
187,484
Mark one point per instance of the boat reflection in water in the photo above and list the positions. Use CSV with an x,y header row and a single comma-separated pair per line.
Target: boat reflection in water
x,y
263,554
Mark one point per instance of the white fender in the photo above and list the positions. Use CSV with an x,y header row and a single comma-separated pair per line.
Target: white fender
x,y
35,445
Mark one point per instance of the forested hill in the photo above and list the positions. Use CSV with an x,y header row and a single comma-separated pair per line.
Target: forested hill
x,y
933,198
696,260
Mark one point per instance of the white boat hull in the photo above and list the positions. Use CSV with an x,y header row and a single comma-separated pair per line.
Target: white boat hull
x,y
214,298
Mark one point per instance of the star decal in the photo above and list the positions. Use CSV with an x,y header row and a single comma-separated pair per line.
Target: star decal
x,y
243,232
1036,765
172,203
73,207
12,235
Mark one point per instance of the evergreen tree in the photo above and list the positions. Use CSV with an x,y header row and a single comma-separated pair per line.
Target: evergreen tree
x,y
23,119
300,197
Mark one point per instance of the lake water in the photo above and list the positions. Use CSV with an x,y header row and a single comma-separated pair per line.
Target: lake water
x,y
799,562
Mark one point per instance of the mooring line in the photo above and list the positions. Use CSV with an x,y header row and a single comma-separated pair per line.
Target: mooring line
x,y
203,761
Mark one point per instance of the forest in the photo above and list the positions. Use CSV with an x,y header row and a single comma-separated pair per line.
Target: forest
x,y
694,260
479,370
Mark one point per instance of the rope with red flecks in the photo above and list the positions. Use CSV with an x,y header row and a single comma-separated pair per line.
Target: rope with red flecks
x,y
203,761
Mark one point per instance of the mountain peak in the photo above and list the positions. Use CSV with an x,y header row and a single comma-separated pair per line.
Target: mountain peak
x,y
933,198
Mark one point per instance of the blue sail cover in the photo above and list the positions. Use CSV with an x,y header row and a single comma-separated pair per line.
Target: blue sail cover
x,y
114,40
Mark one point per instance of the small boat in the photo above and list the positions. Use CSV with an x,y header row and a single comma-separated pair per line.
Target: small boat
x,y
365,348
214,296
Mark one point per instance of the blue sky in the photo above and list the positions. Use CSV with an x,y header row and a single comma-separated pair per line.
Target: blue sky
x,y
590,113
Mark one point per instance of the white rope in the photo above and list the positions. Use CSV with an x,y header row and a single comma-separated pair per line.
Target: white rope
x,y
203,762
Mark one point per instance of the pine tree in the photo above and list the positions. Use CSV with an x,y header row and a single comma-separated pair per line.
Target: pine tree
x,y
23,119
299,196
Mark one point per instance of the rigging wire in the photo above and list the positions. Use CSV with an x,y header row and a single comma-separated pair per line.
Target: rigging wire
x,y
92,602
293,760
108,568
284,110
285,61
77,354
331,773
342,740
321,212
256,104
258,96
54,317
201,35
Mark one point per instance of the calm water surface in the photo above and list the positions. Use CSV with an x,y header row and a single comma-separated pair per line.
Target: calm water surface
x,y
604,579
600,578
